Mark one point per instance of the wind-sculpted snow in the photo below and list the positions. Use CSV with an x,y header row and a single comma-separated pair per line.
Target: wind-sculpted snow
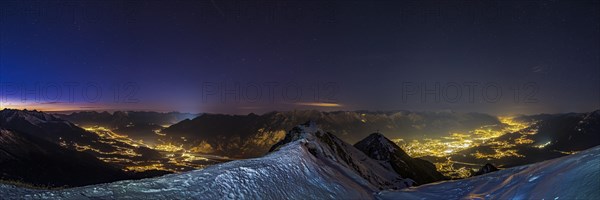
x,y
572,177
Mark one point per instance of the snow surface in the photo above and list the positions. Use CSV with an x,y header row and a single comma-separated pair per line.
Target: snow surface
x,y
571,177
330,149
288,173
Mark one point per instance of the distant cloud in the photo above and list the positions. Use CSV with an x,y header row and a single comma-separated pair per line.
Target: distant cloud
x,y
51,102
317,104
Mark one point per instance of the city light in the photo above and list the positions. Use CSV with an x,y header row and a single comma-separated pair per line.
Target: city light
x,y
455,143
175,157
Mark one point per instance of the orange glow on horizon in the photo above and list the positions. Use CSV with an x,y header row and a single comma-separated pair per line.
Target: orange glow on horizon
x,y
319,104
45,107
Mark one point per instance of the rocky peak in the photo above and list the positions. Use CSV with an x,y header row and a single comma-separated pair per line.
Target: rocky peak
x,y
328,148
487,168
302,131
378,147
391,156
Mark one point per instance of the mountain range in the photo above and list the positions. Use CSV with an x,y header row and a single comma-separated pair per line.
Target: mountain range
x,y
28,159
138,125
310,163
248,136
547,136
244,136
42,149
307,163
120,119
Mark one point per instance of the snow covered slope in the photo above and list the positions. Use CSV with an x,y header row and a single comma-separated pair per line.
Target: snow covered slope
x,y
290,172
571,177
330,149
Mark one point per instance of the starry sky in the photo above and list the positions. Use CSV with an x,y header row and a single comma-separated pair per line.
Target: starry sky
x,y
498,57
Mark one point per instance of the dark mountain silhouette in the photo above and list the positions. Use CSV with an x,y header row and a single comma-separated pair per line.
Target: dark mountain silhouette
x,y
378,147
40,148
29,159
568,132
60,131
487,168
139,125
45,126
121,119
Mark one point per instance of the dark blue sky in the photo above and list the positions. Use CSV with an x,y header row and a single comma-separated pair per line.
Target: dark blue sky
x,y
383,55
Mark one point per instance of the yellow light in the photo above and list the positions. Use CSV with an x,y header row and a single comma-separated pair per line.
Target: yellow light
x,y
541,146
456,142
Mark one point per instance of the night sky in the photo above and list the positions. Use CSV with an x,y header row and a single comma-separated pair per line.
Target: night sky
x,y
282,55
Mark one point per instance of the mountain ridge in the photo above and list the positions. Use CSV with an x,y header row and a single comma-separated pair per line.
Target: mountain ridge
x,y
380,148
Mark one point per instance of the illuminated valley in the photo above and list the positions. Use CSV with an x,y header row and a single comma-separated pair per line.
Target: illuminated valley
x,y
457,144
457,155
129,153
177,155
